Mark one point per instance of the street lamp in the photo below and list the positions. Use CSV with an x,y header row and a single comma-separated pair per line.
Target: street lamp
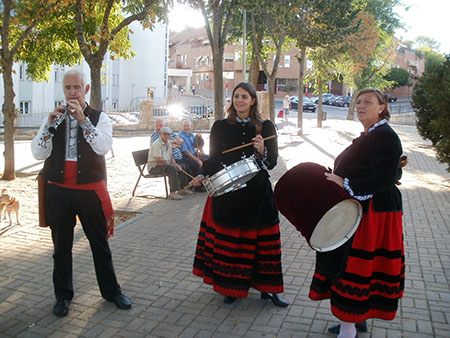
x,y
244,43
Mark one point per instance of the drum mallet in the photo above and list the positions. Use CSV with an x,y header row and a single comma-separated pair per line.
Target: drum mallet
x,y
247,144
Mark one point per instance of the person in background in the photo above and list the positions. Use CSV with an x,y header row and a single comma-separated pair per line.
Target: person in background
x,y
239,243
76,172
365,278
227,106
286,106
188,148
175,143
160,161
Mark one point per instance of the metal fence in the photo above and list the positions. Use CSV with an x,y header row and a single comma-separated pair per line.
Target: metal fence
x,y
400,108
126,115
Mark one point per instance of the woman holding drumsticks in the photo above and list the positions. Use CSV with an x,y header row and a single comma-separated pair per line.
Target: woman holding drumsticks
x,y
239,244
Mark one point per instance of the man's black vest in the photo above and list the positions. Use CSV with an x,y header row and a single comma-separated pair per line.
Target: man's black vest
x,y
91,166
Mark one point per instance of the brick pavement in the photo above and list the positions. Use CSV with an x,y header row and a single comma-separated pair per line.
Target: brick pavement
x,y
153,256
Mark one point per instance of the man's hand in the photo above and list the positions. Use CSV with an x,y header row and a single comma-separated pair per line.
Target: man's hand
x,y
197,181
75,110
59,110
200,163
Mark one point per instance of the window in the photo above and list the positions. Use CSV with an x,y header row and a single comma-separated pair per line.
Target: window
x,y
25,107
22,72
228,57
115,104
287,61
287,85
228,75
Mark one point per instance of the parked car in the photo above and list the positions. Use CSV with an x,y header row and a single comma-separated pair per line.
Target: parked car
x,y
332,101
342,101
307,103
325,98
390,97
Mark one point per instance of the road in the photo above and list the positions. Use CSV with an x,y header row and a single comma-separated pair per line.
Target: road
x,y
341,112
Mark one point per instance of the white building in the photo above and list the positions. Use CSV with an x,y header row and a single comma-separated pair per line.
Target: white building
x,y
127,81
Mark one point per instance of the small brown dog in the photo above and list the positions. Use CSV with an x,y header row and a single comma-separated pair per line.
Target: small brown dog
x,y
11,204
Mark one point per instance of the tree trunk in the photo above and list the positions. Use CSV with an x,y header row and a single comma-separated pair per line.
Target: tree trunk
x,y
271,82
351,109
319,108
301,77
96,86
218,82
254,67
9,114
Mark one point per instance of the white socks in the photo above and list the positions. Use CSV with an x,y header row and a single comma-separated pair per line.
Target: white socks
x,y
348,330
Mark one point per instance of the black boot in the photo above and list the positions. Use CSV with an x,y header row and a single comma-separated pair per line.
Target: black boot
x,y
276,299
229,300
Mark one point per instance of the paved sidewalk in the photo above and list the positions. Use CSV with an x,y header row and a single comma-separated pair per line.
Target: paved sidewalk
x,y
153,255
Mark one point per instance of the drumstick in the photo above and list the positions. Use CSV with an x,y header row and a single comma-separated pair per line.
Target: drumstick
x,y
186,173
247,144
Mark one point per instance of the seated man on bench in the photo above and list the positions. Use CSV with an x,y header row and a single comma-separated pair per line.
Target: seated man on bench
x,y
160,160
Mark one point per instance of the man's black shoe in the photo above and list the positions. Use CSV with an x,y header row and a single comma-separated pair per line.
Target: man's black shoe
x,y
360,327
276,299
61,308
121,301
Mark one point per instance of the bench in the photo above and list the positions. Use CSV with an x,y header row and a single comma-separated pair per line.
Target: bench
x,y
140,159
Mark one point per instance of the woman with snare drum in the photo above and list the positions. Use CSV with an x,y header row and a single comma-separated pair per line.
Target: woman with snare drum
x,y
365,277
239,239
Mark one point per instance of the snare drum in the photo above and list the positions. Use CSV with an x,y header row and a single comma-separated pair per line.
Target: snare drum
x,y
232,177
325,214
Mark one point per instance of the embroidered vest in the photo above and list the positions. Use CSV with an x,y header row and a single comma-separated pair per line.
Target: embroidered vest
x,y
91,166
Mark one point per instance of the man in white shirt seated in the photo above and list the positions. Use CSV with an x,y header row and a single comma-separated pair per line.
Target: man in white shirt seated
x,y
160,160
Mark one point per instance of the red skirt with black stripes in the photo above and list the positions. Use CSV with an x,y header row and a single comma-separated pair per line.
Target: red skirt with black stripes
x,y
374,275
232,260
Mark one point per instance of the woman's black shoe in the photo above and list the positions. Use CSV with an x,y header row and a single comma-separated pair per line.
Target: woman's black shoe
x,y
360,327
229,300
276,299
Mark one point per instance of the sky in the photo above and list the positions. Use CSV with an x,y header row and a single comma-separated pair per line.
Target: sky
x,y
422,17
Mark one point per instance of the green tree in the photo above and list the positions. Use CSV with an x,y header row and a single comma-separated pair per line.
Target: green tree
x,y
431,103
425,41
399,77
19,21
217,15
89,29
317,25
274,36
371,50
103,25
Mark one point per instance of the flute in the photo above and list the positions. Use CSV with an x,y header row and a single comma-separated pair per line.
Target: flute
x,y
58,120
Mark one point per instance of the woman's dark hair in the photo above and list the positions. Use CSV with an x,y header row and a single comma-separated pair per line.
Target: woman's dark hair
x,y
255,116
385,114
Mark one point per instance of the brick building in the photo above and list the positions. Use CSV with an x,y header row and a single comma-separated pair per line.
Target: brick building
x,y
190,50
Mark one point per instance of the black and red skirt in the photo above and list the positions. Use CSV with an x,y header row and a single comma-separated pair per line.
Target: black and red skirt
x,y
232,259
373,278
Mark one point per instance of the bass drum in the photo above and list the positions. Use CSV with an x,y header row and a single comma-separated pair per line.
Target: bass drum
x,y
325,214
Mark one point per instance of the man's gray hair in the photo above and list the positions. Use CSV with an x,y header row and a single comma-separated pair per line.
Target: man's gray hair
x,y
76,72
187,121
